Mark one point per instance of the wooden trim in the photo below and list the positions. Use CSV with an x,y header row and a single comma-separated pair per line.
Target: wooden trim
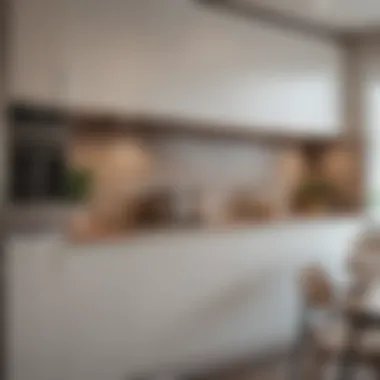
x,y
83,121
157,125
364,34
5,67
353,107
278,19
282,20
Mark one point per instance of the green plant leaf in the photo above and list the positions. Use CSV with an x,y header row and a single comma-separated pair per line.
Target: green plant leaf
x,y
79,183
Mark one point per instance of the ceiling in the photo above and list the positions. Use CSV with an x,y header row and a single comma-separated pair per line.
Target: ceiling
x,y
344,15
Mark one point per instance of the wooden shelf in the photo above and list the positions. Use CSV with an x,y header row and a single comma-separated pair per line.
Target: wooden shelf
x,y
177,126
94,121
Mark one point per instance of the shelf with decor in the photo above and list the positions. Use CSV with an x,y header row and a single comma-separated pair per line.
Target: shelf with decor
x,y
195,176
144,172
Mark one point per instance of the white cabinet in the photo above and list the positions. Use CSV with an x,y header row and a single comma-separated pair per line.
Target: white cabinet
x,y
220,67
174,57
37,51
110,311
105,55
177,58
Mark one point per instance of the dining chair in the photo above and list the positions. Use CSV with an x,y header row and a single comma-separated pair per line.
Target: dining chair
x,y
364,261
325,328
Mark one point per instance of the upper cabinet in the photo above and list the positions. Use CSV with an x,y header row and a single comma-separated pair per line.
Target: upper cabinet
x,y
107,60
37,51
175,57
178,58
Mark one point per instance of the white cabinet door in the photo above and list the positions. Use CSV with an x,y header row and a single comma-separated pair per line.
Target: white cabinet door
x,y
105,55
36,343
174,57
37,51
215,66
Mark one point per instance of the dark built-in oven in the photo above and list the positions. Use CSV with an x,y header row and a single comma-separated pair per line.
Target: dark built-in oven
x,y
37,139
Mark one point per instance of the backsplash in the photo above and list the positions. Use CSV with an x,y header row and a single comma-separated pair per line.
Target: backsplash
x,y
199,180
147,172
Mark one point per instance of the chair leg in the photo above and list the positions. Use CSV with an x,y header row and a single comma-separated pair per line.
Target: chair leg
x,y
319,361
376,368
350,358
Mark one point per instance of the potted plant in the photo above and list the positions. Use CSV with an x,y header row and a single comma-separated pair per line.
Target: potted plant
x,y
316,195
79,183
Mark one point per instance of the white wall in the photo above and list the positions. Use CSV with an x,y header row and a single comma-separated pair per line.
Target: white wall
x,y
175,57
178,301
213,165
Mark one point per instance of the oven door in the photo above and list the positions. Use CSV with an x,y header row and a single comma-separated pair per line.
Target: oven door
x,y
38,173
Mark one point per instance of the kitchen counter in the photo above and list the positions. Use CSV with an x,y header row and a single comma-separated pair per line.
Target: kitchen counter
x,y
177,231
39,218
56,218
186,300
